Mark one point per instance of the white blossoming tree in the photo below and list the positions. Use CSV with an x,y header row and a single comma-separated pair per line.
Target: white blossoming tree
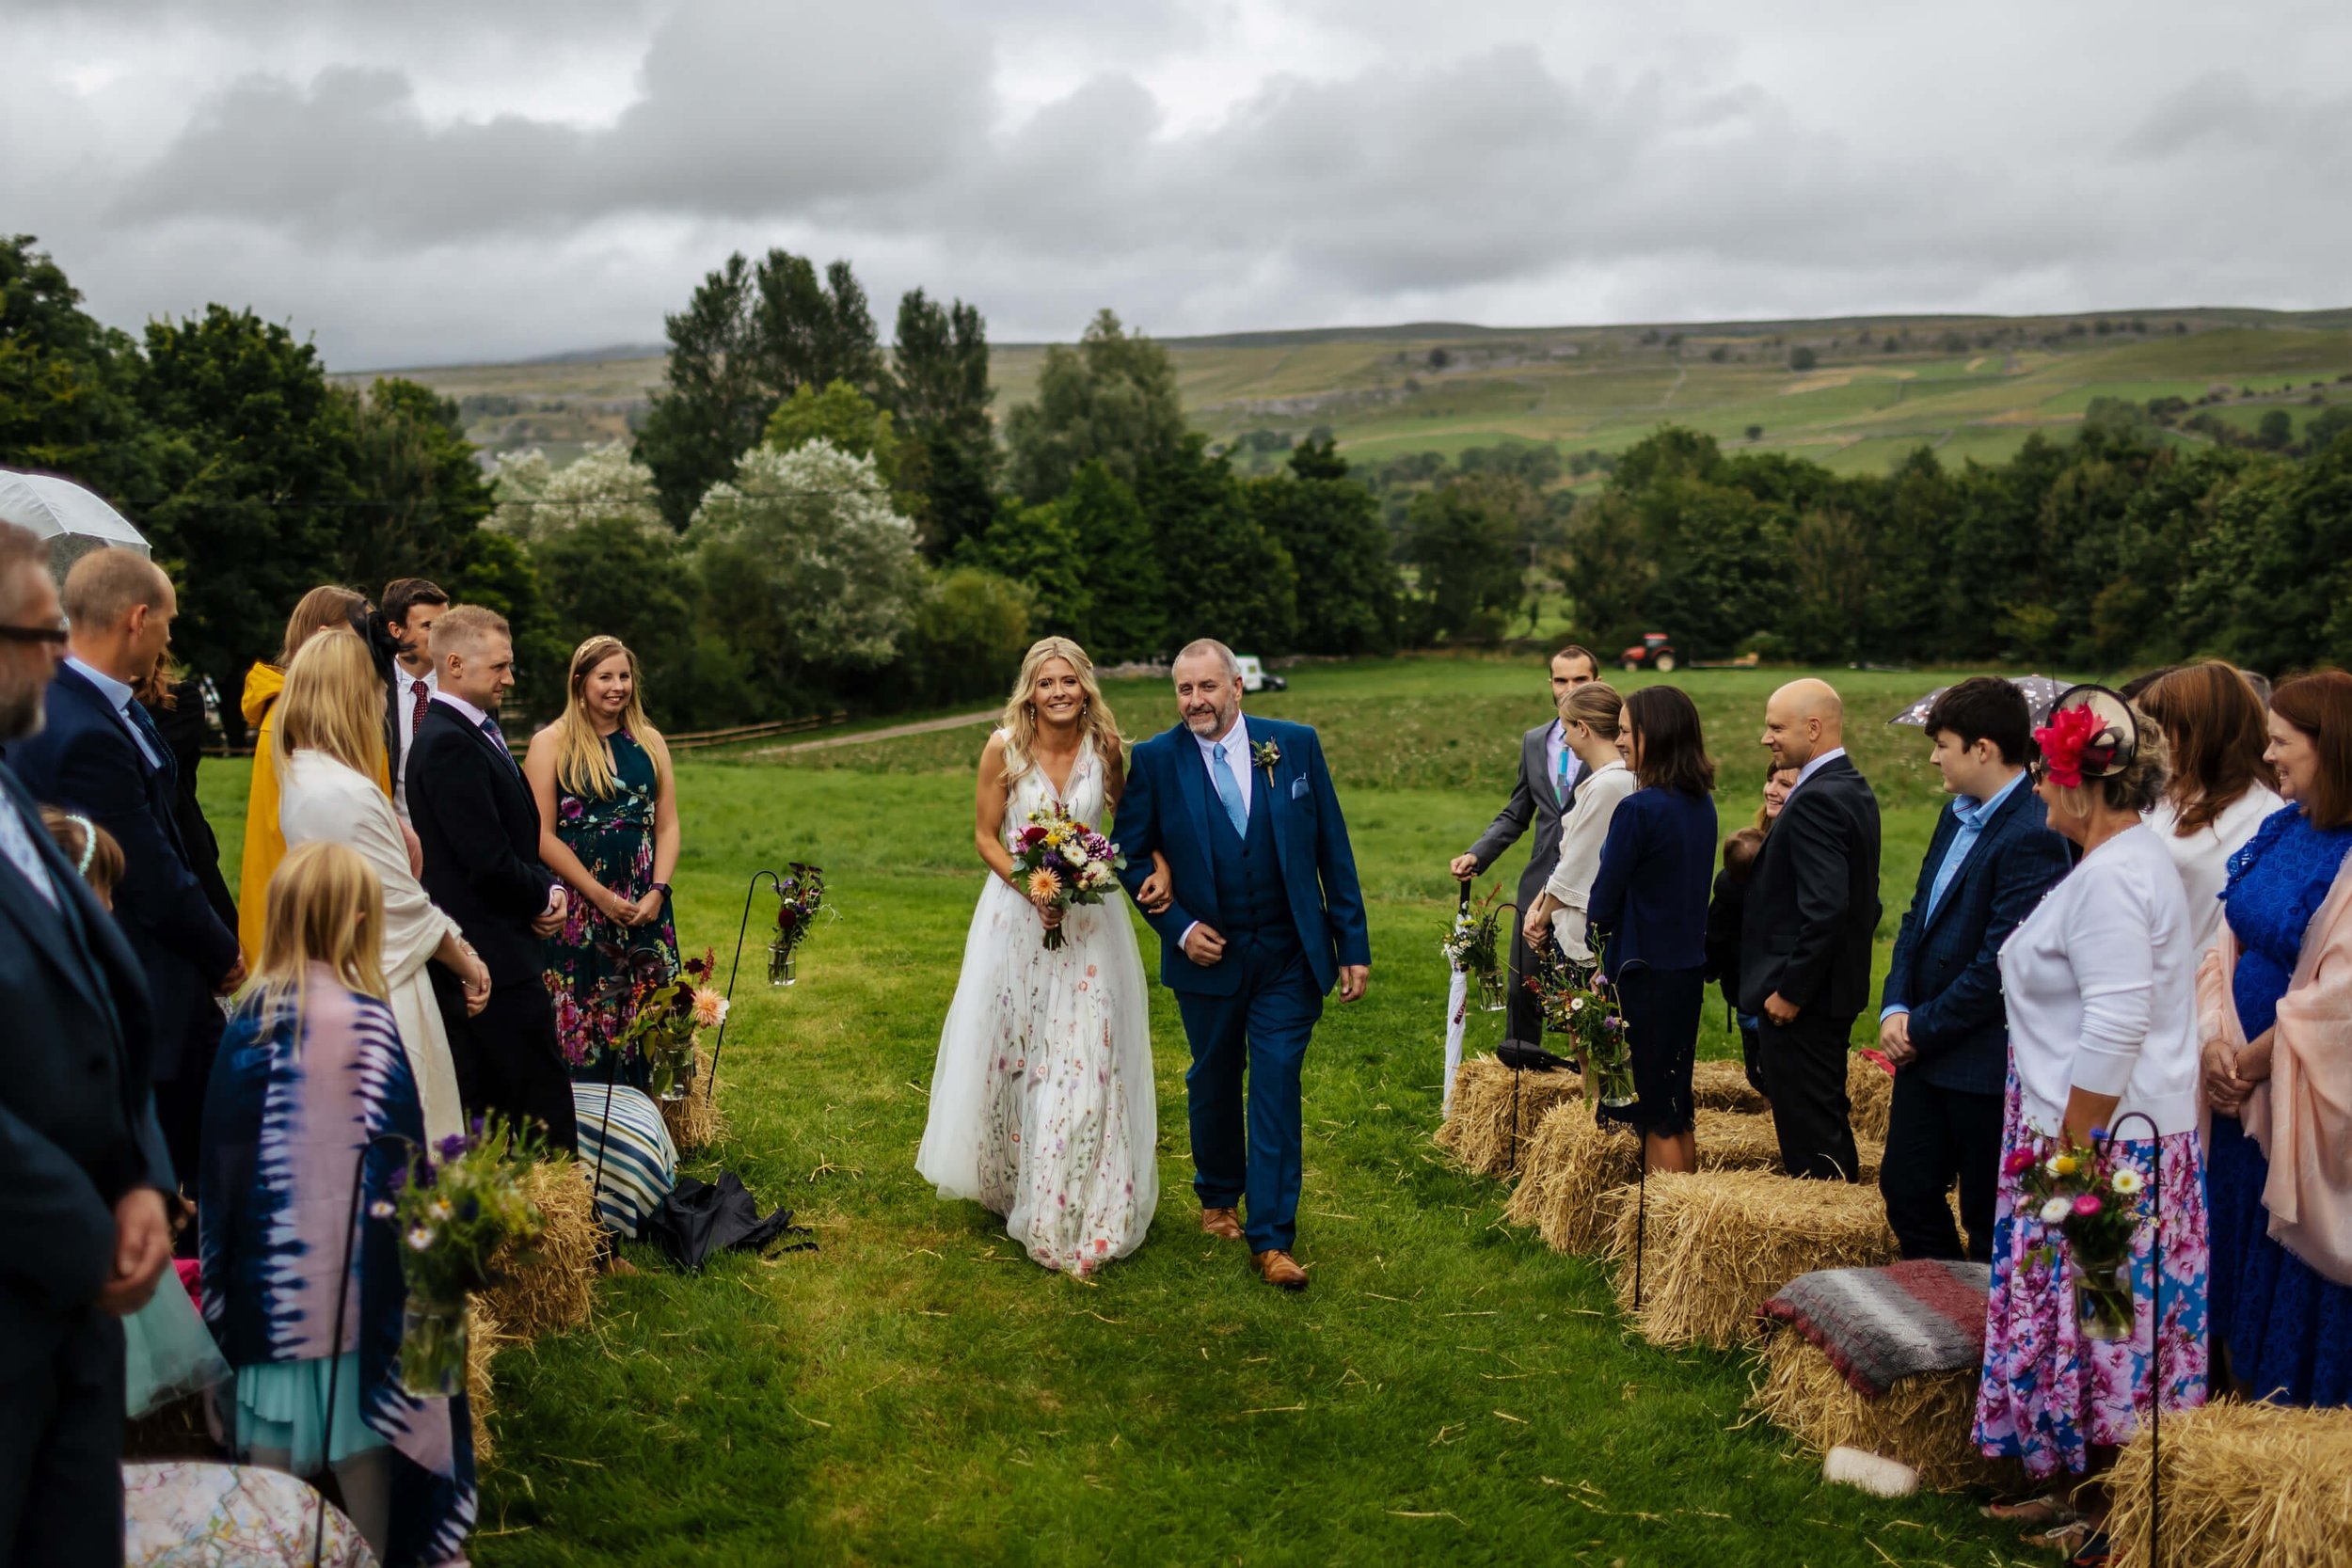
x,y
537,500
805,564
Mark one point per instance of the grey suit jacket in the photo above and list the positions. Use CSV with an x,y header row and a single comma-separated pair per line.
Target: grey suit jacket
x,y
1532,803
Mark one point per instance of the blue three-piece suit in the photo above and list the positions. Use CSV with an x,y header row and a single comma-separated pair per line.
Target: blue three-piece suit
x,y
1281,889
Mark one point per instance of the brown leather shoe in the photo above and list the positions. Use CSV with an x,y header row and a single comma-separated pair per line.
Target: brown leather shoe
x,y
1224,1224
1280,1269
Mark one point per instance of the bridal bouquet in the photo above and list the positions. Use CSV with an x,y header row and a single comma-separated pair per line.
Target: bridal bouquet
x,y
1059,860
1582,1005
457,1204
669,1017
2091,1198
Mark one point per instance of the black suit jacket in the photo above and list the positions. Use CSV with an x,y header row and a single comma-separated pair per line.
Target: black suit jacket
x,y
1534,803
1948,960
480,829
1813,904
77,1125
84,760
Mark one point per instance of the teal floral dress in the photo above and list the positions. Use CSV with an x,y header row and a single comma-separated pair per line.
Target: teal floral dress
x,y
595,965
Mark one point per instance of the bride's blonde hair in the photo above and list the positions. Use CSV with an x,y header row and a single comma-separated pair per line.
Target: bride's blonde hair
x,y
1020,721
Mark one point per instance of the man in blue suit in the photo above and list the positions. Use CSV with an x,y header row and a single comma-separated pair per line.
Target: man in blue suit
x,y
102,756
83,1233
1942,1021
1266,919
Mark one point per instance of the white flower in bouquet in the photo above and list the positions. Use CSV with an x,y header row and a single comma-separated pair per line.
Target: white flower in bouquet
x,y
2055,1211
2127,1181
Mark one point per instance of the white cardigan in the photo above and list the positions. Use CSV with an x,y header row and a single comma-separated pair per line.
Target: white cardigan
x,y
2101,986
2203,857
1583,832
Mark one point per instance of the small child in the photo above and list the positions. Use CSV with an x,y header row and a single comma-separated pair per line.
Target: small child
x,y
167,1351
310,1093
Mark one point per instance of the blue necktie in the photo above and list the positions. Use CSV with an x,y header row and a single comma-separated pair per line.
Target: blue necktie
x,y
1559,785
165,763
498,738
1228,791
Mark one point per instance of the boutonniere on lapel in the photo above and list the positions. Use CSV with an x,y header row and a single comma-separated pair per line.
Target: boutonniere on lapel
x,y
1268,756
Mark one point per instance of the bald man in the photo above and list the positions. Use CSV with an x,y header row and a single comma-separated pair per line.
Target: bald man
x,y
102,756
1805,946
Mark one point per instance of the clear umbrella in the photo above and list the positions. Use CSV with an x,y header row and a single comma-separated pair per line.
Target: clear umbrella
x,y
75,520
2041,694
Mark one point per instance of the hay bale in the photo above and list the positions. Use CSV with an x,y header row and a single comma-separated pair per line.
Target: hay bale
x,y
1573,1163
1921,1421
695,1122
2243,1484
483,1338
1481,1132
1719,1245
1870,1091
550,1288
1723,1086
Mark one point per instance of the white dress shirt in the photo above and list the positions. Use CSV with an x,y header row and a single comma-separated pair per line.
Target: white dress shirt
x,y
1236,745
2100,983
405,689
119,695
1582,833
1812,768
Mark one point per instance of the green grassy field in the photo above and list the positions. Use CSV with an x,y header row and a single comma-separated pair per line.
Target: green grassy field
x,y
1602,389
915,1391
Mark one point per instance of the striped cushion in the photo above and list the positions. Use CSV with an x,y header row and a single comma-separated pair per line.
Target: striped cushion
x,y
640,1162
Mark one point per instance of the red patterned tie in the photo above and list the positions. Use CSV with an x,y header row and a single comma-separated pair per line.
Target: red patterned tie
x,y
416,720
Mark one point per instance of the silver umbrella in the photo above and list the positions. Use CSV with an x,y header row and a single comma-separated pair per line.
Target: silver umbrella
x,y
2041,694
75,521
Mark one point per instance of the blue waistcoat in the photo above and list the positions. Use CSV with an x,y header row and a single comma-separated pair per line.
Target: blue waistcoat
x,y
1250,893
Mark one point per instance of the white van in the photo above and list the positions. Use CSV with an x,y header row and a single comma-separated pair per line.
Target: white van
x,y
1253,676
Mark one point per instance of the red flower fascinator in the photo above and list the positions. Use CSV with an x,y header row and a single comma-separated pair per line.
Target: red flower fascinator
x,y
2091,734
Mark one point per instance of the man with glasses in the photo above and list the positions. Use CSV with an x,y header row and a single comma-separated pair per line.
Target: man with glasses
x,y
102,756
82,1165
1548,774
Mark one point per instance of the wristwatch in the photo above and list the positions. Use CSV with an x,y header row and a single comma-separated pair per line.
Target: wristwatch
x,y
663,888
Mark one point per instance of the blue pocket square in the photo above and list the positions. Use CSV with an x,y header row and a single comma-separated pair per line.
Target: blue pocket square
x,y
1298,789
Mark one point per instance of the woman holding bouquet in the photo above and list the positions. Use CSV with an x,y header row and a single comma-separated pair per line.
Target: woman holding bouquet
x,y
1589,717
2099,982
310,1072
609,828
1043,1104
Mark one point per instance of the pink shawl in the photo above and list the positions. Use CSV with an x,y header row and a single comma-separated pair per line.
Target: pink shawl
x,y
2302,1115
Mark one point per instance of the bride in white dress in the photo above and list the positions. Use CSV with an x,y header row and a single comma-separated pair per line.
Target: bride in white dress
x,y
1042,1106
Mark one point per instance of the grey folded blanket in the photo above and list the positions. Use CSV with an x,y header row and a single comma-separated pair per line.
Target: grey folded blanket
x,y
1879,1325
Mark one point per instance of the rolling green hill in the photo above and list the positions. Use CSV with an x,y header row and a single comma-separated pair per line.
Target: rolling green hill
x,y
1968,386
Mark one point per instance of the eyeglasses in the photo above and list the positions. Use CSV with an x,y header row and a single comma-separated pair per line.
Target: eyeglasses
x,y
56,634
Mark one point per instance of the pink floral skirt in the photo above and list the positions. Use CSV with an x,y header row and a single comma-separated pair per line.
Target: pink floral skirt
x,y
2049,1394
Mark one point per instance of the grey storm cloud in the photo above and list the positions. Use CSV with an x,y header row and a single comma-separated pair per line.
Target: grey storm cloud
x,y
450,180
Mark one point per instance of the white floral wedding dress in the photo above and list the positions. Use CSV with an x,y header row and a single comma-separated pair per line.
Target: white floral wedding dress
x,y
1042,1106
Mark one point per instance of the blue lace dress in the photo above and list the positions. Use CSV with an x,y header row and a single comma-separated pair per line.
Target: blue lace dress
x,y
2287,1329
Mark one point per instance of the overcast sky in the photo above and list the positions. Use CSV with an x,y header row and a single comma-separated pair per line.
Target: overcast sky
x,y
432,180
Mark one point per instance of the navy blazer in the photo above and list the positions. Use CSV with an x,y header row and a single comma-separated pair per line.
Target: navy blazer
x,y
77,1124
1946,967
1165,807
479,825
86,760
1648,899
1813,901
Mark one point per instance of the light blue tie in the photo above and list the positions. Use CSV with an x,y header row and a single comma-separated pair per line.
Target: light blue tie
x,y
1228,791
1559,785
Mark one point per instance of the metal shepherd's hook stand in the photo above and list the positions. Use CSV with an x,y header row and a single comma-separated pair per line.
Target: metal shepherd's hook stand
x,y
710,1090
2156,1320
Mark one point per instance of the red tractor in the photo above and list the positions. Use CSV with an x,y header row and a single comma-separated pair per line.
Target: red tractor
x,y
1653,652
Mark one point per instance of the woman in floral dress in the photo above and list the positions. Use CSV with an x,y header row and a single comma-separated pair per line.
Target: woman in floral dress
x,y
2100,987
609,828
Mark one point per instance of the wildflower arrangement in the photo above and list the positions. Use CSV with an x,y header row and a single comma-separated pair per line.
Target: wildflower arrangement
x,y
456,1205
800,895
1059,860
2091,1198
670,1016
1474,945
1268,756
1582,1005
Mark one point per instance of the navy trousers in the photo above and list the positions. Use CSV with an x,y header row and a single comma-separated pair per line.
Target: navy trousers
x,y
61,1451
1249,1145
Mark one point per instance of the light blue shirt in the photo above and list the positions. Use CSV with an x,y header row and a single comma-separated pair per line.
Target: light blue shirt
x,y
119,695
1972,814
1812,768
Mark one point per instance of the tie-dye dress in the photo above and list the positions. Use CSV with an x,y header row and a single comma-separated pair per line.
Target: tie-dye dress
x,y
294,1101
